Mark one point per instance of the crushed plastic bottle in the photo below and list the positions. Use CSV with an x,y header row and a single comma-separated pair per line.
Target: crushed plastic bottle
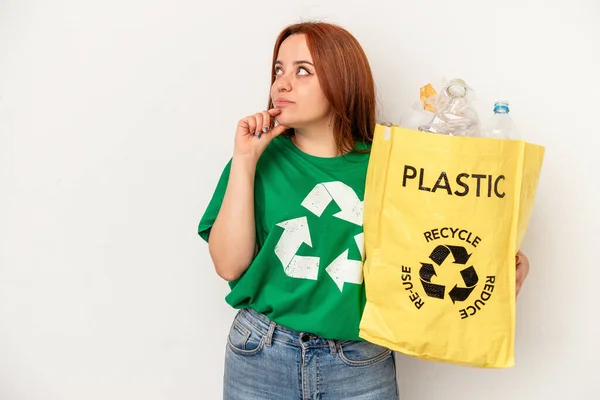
x,y
454,116
501,125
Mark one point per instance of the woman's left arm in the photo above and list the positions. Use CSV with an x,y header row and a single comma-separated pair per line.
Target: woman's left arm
x,y
522,269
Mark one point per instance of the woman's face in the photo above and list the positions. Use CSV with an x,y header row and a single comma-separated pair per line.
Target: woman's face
x,y
296,90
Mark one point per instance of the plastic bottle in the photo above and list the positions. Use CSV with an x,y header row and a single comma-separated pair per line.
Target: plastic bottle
x,y
454,116
501,125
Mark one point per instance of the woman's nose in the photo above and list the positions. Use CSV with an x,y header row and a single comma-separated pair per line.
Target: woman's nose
x,y
283,84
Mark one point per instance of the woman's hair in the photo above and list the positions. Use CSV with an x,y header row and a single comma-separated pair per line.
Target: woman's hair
x,y
345,78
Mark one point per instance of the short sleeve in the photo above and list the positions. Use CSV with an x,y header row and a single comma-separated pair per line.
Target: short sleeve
x,y
212,210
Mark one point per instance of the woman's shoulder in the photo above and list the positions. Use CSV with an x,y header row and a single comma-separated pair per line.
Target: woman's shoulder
x,y
364,146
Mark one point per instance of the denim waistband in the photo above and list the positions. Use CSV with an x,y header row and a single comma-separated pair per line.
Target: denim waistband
x,y
273,331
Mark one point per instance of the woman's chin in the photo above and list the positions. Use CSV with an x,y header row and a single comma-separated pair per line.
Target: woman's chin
x,y
287,122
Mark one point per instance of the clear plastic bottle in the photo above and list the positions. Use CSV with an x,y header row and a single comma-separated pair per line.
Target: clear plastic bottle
x,y
454,116
501,125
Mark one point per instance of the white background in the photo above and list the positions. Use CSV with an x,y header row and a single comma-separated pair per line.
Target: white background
x,y
116,118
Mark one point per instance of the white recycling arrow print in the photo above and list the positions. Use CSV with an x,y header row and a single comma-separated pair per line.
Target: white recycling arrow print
x,y
295,233
343,270
360,243
322,194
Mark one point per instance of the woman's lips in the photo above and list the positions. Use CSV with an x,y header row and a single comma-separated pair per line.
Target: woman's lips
x,y
282,103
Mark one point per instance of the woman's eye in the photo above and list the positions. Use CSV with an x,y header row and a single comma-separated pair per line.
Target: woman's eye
x,y
278,71
303,71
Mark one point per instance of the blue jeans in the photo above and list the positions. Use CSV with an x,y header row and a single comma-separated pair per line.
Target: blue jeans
x,y
266,361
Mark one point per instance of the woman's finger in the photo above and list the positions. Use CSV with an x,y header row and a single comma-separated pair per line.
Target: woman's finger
x,y
259,124
266,121
273,112
278,130
251,124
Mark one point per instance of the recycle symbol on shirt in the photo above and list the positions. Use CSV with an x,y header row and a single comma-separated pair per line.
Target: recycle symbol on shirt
x,y
296,232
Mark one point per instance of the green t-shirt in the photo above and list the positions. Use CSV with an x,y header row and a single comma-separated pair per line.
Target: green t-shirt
x,y
307,274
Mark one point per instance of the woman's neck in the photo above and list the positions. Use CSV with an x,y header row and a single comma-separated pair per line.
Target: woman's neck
x,y
316,142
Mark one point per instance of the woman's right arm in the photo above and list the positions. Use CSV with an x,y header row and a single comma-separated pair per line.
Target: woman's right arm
x,y
232,240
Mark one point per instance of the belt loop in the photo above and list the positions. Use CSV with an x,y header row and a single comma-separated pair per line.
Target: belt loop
x,y
332,346
272,326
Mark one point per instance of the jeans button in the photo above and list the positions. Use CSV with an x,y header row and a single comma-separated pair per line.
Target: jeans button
x,y
305,338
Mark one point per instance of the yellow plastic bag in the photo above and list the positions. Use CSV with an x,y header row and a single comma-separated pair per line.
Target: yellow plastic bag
x,y
444,217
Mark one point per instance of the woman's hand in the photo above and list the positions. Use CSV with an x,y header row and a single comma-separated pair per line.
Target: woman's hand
x,y
254,133
522,264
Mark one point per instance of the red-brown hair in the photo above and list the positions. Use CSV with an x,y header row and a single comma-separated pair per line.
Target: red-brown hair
x,y
345,78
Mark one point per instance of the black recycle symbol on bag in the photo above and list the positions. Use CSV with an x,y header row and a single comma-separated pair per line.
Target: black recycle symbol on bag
x,y
438,256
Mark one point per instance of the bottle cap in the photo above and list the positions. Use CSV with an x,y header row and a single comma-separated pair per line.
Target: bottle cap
x,y
501,106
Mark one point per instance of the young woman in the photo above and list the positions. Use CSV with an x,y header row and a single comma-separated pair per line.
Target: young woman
x,y
283,224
